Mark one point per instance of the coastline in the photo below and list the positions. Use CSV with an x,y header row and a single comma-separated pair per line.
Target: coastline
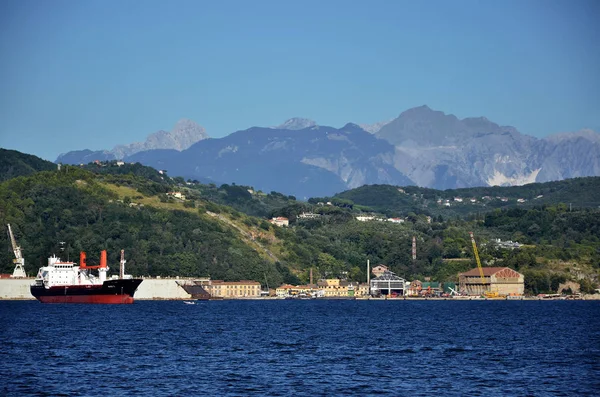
x,y
167,289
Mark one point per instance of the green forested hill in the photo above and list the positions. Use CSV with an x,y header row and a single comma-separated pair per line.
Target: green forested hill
x,y
74,206
14,164
394,200
127,207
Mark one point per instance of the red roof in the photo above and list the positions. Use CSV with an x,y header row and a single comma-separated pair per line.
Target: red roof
x,y
286,286
487,271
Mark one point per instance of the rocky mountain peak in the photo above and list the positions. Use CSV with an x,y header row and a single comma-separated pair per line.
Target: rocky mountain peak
x,y
183,135
296,123
375,127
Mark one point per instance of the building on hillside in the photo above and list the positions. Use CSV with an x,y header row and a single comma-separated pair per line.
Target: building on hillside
x,y
233,289
507,244
395,220
501,280
388,284
379,270
365,218
177,195
280,221
308,215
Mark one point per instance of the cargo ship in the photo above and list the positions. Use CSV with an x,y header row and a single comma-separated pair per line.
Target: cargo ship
x,y
68,282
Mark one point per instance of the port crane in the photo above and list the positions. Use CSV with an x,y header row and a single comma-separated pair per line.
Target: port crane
x,y
487,294
19,261
477,257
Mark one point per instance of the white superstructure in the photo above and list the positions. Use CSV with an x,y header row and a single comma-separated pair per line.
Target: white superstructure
x,y
59,273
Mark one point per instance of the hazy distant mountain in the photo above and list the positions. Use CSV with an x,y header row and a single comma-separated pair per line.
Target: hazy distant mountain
x,y
296,123
375,127
441,151
183,135
318,161
421,147
570,155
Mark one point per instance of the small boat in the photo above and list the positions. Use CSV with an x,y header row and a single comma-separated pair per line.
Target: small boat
x,y
189,303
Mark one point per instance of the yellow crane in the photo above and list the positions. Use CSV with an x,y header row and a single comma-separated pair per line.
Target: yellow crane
x,y
487,294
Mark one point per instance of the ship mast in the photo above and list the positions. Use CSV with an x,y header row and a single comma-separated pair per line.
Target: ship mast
x,y
122,265
19,261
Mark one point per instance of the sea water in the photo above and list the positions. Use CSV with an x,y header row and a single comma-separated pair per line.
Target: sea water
x,y
301,348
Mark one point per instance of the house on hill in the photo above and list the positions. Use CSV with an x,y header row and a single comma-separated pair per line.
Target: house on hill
x,y
280,221
177,195
379,270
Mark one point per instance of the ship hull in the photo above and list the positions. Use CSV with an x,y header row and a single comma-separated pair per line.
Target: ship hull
x,y
111,292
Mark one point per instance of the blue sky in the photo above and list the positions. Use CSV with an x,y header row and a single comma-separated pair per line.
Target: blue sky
x,y
93,74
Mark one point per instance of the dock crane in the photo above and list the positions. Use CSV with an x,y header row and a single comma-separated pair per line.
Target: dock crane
x,y
19,261
487,294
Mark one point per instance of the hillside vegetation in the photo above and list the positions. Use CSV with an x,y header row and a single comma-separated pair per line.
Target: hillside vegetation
x,y
88,214
128,207
14,164
393,200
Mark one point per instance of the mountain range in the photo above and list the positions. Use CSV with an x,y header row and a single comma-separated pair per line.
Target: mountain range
x,y
183,135
420,147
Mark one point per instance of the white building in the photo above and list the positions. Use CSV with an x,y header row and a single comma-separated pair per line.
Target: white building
x,y
280,221
395,220
177,195
308,215
365,218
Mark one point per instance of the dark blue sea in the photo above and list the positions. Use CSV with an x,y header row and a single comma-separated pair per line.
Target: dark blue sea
x,y
301,348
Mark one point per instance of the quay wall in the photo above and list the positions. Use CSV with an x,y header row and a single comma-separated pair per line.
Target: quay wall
x,y
15,288
168,289
157,289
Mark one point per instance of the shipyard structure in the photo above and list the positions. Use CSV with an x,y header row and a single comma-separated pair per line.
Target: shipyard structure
x,y
501,281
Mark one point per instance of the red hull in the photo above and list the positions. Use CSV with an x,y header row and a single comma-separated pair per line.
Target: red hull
x,y
108,299
119,291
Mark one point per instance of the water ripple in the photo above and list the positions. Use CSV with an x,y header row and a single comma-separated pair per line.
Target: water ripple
x,y
312,348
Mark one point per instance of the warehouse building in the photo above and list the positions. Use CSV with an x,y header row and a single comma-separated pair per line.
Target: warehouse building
x,y
388,284
233,289
500,280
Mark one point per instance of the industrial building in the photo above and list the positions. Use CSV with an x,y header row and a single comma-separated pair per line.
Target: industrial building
x,y
232,289
502,281
388,284
328,288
